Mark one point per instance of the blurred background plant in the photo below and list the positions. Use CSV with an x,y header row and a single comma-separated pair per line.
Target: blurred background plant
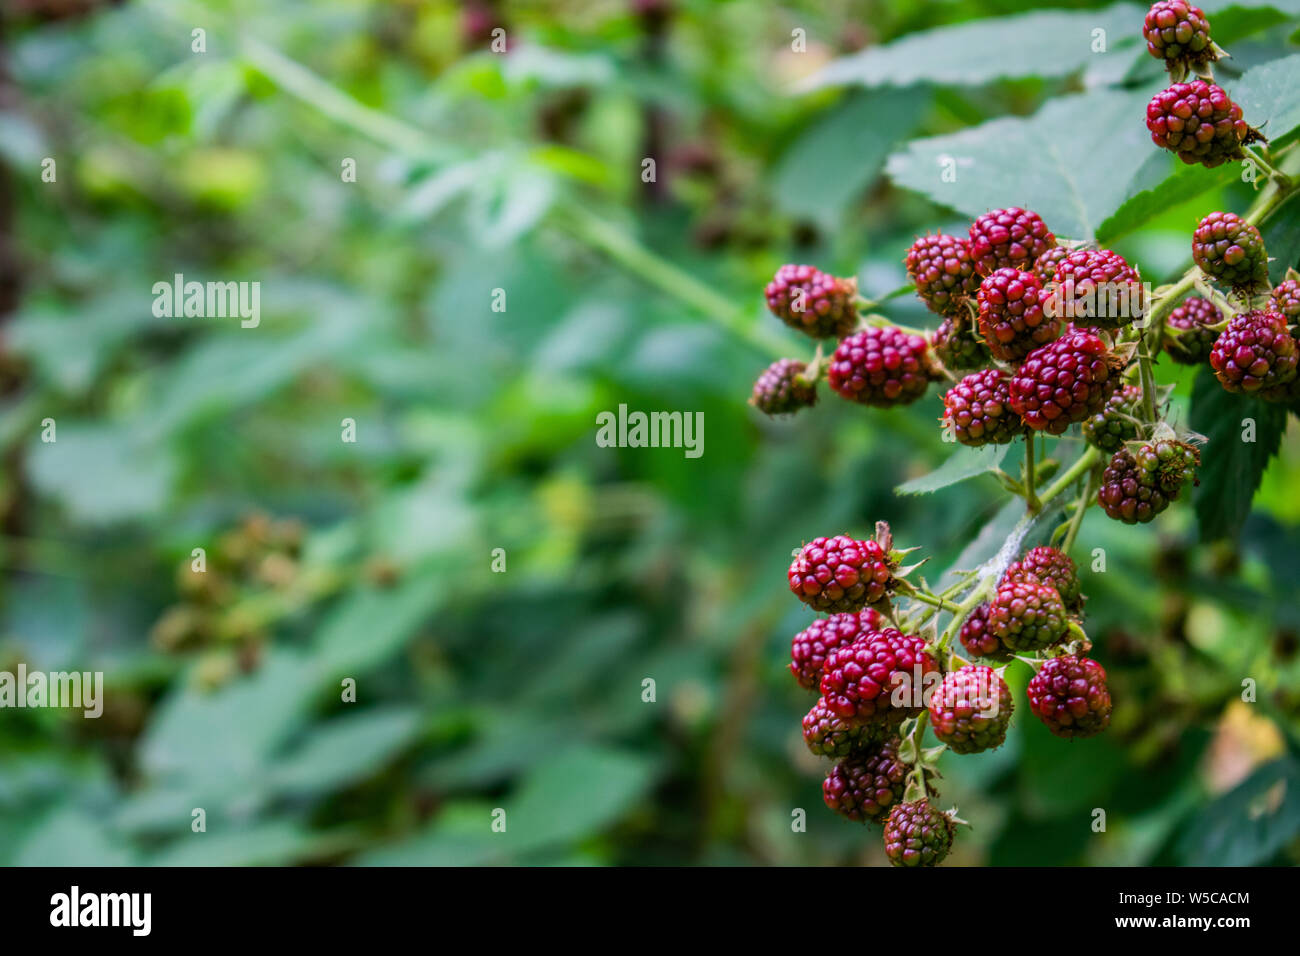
x,y
522,171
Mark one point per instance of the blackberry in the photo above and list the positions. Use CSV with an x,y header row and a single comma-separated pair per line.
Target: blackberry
x,y
1254,353
1011,316
1178,34
955,344
878,677
1231,251
970,710
1064,381
1136,488
841,574
1046,264
1285,300
829,735
1049,566
782,389
1199,122
1069,695
865,785
1008,238
977,409
810,646
1096,287
1189,334
977,640
815,303
1027,615
1115,422
944,274
882,367
917,834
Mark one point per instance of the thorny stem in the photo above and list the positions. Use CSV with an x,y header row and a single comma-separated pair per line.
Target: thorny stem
x,y
932,600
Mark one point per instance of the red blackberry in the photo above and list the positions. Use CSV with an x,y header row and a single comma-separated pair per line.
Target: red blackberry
x,y
1069,695
1064,381
865,785
917,834
1011,314
1008,238
1188,333
977,640
810,646
1027,615
1045,265
829,735
956,345
1231,251
1136,488
813,302
977,409
1116,421
944,274
1254,353
1096,287
782,389
841,574
1049,566
1285,300
1199,122
881,367
1179,34
970,710
878,677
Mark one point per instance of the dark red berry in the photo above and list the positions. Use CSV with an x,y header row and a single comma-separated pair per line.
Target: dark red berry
x,y
1070,696
1045,265
977,409
1115,422
841,574
955,344
1064,381
865,785
1231,251
810,646
1049,566
1178,32
1189,334
882,367
944,274
1137,487
1285,300
815,303
977,640
1096,287
829,735
1008,238
1254,353
1199,122
917,834
878,677
1027,615
1011,316
781,388
970,710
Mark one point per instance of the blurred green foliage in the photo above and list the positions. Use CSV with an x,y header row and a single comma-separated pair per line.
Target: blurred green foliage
x,y
523,690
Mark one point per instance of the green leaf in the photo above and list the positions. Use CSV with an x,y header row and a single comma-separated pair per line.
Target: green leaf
x,y
1179,184
71,838
1036,162
372,624
1248,824
1231,467
344,750
1049,43
834,160
962,464
1267,97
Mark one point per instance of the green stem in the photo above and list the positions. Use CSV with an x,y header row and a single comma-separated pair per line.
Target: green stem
x,y
932,600
1031,493
1082,464
1081,506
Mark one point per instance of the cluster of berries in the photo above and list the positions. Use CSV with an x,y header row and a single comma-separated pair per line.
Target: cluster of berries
x,y
874,678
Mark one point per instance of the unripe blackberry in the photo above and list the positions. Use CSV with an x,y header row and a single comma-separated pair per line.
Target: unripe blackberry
x,y
1136,488
970,710
815,303
810,646
1049,566
977,640
878,677
1231,251
1096,287
829,735
1008,239
781,388
944,274
1011,314
977,409
1115,422
1285,300
1199,122
1189,334
865,785
1179,34
1255,353
917,834
1069,695
882,367
955,344
1045,265
841,574
1027,615
1064,381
